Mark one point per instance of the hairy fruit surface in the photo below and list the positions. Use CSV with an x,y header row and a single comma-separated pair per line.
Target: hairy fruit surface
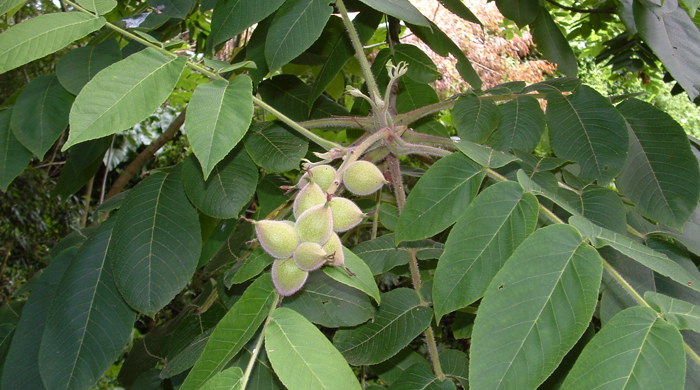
x,y
278,238
315,224
334,249
346,214
363,178
309,196
323,175
310,256
287,277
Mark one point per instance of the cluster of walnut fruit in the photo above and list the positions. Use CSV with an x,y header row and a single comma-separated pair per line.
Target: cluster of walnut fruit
x,y
312,241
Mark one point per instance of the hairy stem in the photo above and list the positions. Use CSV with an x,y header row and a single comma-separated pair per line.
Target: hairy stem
x,y
360,54
258,344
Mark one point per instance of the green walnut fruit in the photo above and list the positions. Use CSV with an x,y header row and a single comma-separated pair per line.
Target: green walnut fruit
x,y
363,178
315,224
346,214
278,238
287,277
334,250
309,196
310,256
323,175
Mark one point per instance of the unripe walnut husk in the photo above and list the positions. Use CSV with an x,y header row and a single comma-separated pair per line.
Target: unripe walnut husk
x,y
334,248
278,238
287,277
310,256
309,196
346,214
323,175
363,178
315,224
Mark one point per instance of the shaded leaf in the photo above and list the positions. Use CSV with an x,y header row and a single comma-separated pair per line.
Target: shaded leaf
x,y
586,128
604,207
88,323
218,116
80,65
661,174
493,225
474,118
249,268
455,364
13,156
84,160
401,318
233,331
296,25
635,350
522,12
178,9
644,255
458,8
99,7
400,9
40,114
232,17
439,197
421,68
679,313
22,358
155,243
674,38
302,356
228,379
552,43
275,149
123,94
329,303
420,376
228,189
521,126
42,35
534,310
362,278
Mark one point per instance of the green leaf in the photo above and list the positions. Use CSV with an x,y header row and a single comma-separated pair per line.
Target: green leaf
x,y
674,38
13,156
458,8
603,207
123,94
249,268
275,149
485,156
381,254
522,12
40,114
586,128
43,35
21,369
420,376
493,225
83,162
421,68
521,126
233,331
635,350
455,365
341,49
439,198
681,314
440,43
232,17
155,243
218,116
262,377
475,119
362,278
534,310
228,189
302,356
329,303
99,7
296,25
228,379
400,9
414,95
661,174
644,255
552,43
9,5
79,66
400,319
88,323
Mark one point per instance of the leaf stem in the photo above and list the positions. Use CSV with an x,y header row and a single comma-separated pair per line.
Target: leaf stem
x,y
258,345
326,144
360,54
